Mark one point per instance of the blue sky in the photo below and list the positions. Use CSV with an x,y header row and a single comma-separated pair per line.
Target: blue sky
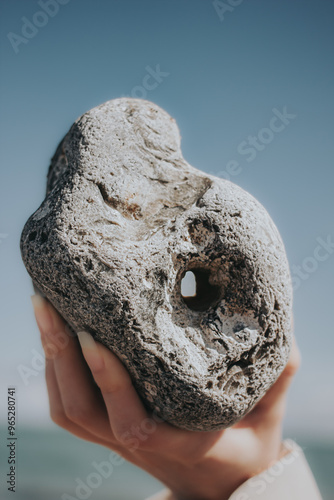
x,y
223,78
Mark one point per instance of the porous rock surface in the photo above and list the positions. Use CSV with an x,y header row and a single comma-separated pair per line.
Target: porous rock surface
x,y
124,218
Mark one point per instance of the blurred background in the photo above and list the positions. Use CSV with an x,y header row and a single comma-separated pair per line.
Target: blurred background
x,y
223,70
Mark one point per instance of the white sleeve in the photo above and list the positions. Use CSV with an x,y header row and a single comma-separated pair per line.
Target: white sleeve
x,y
290,478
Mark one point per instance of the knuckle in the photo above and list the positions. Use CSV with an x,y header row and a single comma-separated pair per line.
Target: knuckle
x,y
59,418
51,350
77,415
61,339
54,345
114,387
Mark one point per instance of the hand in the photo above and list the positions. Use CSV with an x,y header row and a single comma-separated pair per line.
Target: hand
x,y
91,396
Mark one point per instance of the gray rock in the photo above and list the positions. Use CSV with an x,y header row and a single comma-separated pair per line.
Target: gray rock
x,y
124,218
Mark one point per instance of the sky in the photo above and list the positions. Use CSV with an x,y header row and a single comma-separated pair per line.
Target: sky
x,y
225,74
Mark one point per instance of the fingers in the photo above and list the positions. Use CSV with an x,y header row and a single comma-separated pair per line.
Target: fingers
x,y
113,414
75,401
57,410
127,414
132,426
271,407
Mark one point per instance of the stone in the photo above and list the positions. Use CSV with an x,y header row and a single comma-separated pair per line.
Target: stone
x,y
124,218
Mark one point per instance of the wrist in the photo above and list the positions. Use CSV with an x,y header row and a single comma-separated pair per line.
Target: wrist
x,y
213,480
195,482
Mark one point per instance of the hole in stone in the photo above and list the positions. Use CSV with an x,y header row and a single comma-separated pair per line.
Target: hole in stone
x,y
188,285
197,292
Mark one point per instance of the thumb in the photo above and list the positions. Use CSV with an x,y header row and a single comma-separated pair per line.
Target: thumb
x,y
270,409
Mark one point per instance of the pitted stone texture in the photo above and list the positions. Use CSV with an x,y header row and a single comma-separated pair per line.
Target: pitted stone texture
x,y
124,218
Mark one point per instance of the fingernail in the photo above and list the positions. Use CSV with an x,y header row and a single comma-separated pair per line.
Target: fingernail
x,y
43,316
90,351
